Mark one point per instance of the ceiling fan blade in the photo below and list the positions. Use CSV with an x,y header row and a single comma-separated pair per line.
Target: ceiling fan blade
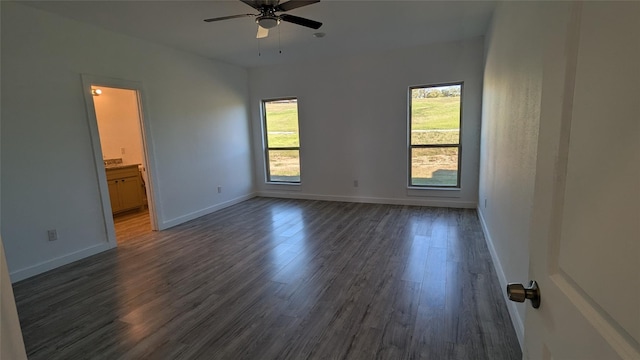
x,y
300,21
254,4
262,32
294,4
228,17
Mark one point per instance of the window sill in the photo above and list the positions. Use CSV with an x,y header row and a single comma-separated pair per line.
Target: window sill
x,y
282,186
434,192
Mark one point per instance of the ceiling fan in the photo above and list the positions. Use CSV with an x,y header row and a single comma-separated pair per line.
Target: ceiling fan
x,y
268,19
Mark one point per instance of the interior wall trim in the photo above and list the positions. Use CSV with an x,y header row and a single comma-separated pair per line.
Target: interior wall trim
x,y
440,202
516,320
208,210
51,264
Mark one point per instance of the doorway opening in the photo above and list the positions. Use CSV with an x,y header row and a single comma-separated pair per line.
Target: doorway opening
x,y
118,132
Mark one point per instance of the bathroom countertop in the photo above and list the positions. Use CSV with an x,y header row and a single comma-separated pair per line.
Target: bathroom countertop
x,y
119,166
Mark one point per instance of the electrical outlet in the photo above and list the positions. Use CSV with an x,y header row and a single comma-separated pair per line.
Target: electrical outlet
x,y
355,183
122,151
219,189
485,203
52,234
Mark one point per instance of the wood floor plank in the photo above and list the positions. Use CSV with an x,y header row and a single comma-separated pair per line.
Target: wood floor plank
x,y
278,279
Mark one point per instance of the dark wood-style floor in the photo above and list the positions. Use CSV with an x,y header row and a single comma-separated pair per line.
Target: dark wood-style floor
x,y
280,279
132,225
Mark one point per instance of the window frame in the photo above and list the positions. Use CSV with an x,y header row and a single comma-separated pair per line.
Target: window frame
x,y
410,146
265,139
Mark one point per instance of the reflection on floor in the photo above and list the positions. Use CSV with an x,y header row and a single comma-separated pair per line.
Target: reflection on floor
x,y
279,279
131,225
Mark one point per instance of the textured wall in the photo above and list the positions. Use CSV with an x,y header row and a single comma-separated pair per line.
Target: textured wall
x,y
510,122
119,124
197,114
353,121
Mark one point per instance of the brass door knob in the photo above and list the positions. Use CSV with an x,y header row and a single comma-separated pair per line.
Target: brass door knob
x,y
519,293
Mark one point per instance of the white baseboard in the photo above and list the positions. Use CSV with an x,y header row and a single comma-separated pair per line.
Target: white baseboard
x,y
208,210
45,266
517,321
441,202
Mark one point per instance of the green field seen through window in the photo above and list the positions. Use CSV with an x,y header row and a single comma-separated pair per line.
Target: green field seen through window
x,y
282,132
282,124
435,120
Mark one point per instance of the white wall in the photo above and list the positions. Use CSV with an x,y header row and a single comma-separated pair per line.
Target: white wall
x,y
119,124
196,108
353,122
513,78
11,342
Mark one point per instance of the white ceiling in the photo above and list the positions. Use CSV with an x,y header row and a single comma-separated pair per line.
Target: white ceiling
x,y
351,26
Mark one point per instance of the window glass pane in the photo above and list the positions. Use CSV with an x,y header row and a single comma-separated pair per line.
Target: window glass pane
x,y
434,166
282,123
284,165
435,115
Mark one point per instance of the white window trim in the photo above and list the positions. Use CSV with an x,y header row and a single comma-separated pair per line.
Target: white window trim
x,y
429,190
265,148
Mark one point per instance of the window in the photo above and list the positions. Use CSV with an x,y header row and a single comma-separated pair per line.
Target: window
x,y
281,140
434,135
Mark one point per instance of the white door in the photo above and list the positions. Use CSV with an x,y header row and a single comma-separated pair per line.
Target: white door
x,y
585,244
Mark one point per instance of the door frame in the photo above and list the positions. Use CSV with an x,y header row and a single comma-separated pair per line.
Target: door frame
x,y
147,148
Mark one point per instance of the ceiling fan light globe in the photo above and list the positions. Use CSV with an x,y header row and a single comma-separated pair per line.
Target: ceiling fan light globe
x,y
268,22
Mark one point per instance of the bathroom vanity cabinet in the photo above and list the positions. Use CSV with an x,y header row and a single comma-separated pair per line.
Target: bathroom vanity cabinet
x,y
125,188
